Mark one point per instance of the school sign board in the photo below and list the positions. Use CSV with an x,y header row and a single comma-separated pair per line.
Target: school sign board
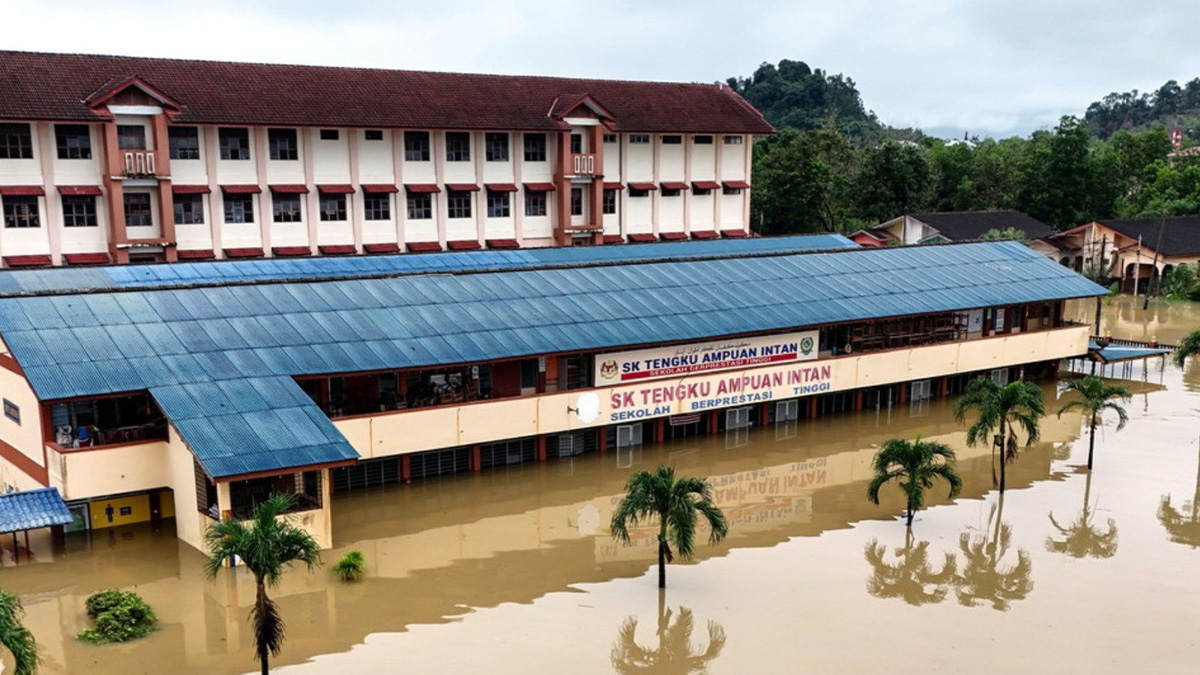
x,y
704,357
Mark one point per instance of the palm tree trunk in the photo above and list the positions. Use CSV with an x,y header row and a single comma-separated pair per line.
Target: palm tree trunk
x,y
662,552
1091,440
910,512
260,593
1003,452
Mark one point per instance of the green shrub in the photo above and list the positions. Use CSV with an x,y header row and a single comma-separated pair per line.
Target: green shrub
x,y
119,616
350,567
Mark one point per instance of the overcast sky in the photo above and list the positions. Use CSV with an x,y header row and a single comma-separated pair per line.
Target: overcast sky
x,y
990,67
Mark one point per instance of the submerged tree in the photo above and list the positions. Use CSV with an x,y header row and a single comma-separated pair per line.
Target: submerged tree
x,y
915,466
1095,398
986,577
911,577
1081,538
15,637
675,652
676,503
1000,410
266,546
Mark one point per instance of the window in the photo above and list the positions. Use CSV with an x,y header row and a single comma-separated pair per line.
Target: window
x,y
497,147
137,210
131,137
638,139
458,204
535,147
329,134
610,138
498,204
377,206
458,146
535,203
373,134
577,201
281,144
670,192
21,212
732,140
79,211
235,143
16,141
610,202
184,142
635,192
701,192
333,207
576,143
189,209
672,140
239,208
731,191
702,140
420,206
74,141
416,146
285,207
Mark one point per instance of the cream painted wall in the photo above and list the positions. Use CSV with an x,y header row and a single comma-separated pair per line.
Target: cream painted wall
x,y
704,159
375,159
459,172
240,171
639,158
701,211
331,158
639,212
733,159
670,160
105,471
670,212
732,213
26,437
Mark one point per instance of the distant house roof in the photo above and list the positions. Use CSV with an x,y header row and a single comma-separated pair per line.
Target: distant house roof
x,y
968,225
44,86
32,509
1180,234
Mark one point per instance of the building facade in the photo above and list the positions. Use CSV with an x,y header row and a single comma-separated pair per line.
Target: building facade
x,y
112,159
1136,252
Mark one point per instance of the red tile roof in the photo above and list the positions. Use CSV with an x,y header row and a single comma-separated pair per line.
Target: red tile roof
x,y
644,237
377,188
704,234
463,245
706,185
336,189
243,253
196,254
423,246
503,243
45,86
501,187
190,189
241,189
614,239
382,248
296,189
642,186
79,190
539,187
27,260
21,191
668,185
737,184
672,236
422,188
284,251
341,249
86,258
462,187
614,186
734,234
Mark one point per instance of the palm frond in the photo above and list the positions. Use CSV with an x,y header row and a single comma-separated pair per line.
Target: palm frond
x,y
15,637
268,626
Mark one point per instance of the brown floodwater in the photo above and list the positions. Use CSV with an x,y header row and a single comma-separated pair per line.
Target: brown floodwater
x,y
512,571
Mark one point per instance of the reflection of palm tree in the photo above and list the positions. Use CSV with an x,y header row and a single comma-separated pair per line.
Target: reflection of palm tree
x,y
1082,539
1183,529
675,654
985,577
912,578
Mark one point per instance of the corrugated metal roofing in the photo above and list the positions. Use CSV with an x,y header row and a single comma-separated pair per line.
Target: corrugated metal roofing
x,y
32,509
1113,353
188,346
14,281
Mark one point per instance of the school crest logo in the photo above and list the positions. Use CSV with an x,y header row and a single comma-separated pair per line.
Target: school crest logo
x,y
806,346
608,370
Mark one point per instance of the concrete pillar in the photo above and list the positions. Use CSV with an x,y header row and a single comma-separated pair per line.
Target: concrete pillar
x,y
660,429
405,469
476,462
714,422
602,440
541,448
763,414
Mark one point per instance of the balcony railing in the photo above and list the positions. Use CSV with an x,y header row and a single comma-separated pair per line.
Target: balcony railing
x,y
139,163
583,165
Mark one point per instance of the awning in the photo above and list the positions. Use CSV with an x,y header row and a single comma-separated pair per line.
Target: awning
x,y
736,184
642,238
706,185
503,243
196,254
86,258
642,186
704,234
241,189
378,188
734,234
614,239
338,249
383,247
424,246
190,189
614,186
290,189
672,236
462,187
79,190
28,260
463,245
674,186
422,188
32,510
21,191
539,187
243,253
286,251
336,189
501,187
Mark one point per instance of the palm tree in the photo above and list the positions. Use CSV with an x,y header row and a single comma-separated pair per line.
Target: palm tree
x,y
1183,529
675,653
985,576
915,465
911,577
15,637
1082,539
266,546
1189,346
1095,397
1000,410
676,503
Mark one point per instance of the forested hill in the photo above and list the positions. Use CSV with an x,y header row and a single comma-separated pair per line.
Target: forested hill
x,y
1170,105
794,95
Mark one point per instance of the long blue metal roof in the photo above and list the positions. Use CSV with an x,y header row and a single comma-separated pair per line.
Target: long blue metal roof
x,y
168,340
17,281
32,509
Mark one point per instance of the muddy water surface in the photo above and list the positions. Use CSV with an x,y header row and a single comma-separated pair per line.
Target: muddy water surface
x,y
513,572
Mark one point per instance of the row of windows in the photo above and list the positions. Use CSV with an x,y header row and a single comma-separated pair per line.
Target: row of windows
x,y
72,141
23,212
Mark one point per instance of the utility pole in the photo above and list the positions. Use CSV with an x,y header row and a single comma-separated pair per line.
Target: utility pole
x,y
1162,224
